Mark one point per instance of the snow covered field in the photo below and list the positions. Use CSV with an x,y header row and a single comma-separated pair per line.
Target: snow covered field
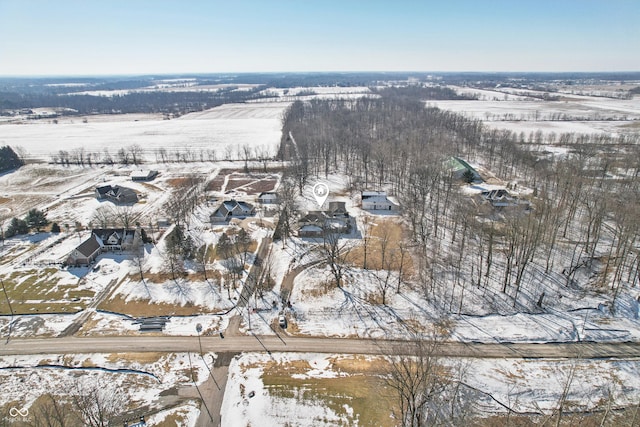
x,y
230,125
501,109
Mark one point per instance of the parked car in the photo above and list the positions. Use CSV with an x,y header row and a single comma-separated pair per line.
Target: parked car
x,y
282,321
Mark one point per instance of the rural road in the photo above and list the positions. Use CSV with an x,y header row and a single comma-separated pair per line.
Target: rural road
x,y
64,345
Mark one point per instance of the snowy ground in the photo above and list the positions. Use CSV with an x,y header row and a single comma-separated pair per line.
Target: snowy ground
x,y
140,377
351,311
525,386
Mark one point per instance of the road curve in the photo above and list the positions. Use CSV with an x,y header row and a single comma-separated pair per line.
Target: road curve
x,y
128,344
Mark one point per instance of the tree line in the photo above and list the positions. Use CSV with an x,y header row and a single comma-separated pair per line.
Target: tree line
x,y
133,102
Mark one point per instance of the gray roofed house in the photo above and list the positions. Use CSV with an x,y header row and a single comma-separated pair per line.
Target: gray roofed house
x,y
231,209
86,252
337,209
116,194
501,198
316,223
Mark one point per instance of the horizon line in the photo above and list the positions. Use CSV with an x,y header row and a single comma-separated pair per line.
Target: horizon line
x,y
237,73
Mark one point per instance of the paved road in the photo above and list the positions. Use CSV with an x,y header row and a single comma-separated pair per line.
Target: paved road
x,y
311,344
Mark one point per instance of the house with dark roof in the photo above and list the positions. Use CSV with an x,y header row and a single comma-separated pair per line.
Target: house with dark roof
x,y
116,194
336,219
103,240
501,198
230,209
86,252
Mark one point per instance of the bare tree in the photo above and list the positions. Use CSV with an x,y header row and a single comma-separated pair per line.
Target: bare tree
x,y
96,402
267,282
104,216
138,257
123,157
366,228
287,210
263,155
3,218
135,151
51,411
418,381
126,215
247,153
241,245
174,264
335,252
383,277
107,157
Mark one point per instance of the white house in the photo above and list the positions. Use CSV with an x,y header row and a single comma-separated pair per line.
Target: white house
x,y
377,201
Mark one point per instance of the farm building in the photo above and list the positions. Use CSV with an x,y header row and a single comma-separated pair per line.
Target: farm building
x,y
459,168
268,198
143,175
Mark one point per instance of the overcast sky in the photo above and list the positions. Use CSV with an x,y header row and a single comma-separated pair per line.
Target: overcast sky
x,y
88,37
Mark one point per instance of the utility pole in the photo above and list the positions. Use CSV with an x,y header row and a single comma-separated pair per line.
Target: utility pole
x,y
199,330
195,383
10,309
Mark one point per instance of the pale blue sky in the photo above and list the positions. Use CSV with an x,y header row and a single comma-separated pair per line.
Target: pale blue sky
x,y
60,37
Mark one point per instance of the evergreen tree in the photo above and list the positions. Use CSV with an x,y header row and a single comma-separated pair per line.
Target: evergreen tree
x,y
36,219
468,176
16,226
9,159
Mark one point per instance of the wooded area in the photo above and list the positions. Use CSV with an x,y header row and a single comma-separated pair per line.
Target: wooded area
x,y
579,220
